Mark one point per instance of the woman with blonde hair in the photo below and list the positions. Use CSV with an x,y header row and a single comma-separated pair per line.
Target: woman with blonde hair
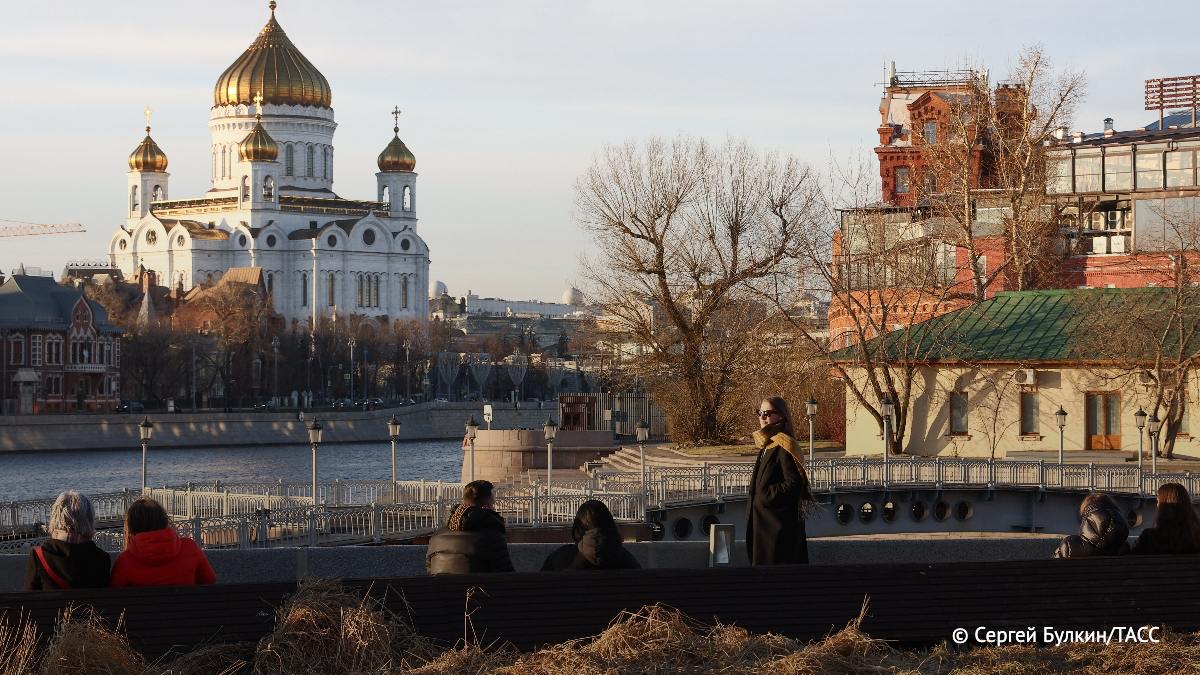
x,y
1176,525
778,490
70,559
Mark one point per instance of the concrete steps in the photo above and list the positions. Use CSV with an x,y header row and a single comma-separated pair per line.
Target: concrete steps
x,y
627,459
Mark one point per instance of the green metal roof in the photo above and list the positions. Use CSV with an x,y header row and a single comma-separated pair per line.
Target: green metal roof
x,y
1031,326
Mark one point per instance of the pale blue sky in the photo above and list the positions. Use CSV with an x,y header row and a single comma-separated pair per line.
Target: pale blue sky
x,y
506,102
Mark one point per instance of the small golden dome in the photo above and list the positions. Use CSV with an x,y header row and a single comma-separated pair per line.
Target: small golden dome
x,y
396,156
272,65
147,156
258,146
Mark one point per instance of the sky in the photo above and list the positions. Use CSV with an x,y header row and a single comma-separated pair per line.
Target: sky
x,y
507,102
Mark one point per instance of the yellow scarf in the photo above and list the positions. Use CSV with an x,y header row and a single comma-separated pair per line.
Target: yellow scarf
x,y
781,440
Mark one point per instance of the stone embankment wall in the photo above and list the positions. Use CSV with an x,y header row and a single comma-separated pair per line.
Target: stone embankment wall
x,y
367,562
424,421
505,453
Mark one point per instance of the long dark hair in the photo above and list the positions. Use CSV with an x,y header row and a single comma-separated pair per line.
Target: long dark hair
x,y
592,515
1175,520
780,406
144,515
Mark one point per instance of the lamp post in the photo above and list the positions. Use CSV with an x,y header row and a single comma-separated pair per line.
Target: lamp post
x,y
472,432
643,433
1061,418
352,343
889,409
275,383
314,439
393,433
1139,418
145,432
551,430
407,387
1155,426
812,416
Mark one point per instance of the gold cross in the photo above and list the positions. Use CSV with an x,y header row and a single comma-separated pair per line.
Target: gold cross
x,y
396,118
258,99
147,112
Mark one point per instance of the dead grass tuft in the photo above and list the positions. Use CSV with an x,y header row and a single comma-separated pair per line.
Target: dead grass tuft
x,y
18,646
84,644
219,659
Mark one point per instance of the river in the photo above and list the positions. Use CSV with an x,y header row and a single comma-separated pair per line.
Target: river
x,y
44,474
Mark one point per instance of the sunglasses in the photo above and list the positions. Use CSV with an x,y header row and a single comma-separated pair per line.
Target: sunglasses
x,y
764,414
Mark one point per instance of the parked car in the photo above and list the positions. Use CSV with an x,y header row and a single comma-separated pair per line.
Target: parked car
x,y
131,407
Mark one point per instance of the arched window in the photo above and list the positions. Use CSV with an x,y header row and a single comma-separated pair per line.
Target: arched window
x,y
156,194
303,290
358,290
385,195
289,160
214,168
269,188
133,199
375,287
331,300
404,291
309,161
324,162
224,162
407,198
270,283
245,188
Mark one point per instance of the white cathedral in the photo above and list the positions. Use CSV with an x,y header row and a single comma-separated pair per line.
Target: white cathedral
x,y
272,203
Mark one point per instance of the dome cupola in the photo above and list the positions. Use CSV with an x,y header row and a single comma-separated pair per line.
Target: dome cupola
x,y
396,156
258,146
273,67
147,156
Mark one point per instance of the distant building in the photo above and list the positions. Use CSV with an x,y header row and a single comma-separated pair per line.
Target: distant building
x,y
58,350
572,302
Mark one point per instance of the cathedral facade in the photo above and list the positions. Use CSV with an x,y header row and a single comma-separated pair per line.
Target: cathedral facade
x,y
272,204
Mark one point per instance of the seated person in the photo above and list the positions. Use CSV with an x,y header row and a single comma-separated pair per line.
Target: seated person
x,y
70,559
1176,524
473,539
1103,530
597,543
155,554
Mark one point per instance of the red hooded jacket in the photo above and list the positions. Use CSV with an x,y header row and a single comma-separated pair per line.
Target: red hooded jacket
x,y
161,558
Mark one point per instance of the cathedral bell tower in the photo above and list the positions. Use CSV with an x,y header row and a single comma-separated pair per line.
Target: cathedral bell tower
x,y
147,176
397,182
258,153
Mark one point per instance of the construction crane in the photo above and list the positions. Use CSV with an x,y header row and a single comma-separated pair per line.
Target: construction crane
x,y
17,228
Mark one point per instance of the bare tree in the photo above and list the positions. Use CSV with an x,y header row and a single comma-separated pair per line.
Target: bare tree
x,y
683,232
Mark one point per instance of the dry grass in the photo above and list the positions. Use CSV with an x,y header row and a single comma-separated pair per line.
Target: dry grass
x,y
18,646
221,659
84,644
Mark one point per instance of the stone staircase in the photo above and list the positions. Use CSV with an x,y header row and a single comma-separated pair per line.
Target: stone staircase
x,y
627,459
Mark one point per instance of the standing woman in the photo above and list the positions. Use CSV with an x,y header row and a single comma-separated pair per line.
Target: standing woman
x,y
70,559
778,491
1176,524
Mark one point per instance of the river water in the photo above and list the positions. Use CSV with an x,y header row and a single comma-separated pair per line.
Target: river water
x,y
44,474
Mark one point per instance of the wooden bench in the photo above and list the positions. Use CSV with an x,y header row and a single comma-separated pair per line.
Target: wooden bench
x,y
910,604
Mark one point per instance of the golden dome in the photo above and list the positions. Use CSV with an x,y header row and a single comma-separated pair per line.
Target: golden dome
x,y
396,156
258,146
272,65
147,156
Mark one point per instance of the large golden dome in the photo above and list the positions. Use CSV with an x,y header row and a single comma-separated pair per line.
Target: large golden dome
x,y
147,156
272,65
258,146
396,156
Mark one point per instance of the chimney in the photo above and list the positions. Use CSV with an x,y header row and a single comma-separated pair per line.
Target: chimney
x,y
1060,134
1108,127
1077,137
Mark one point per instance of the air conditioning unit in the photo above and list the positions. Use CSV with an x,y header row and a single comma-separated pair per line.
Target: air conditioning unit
x,y
1100,244
1025,376
1120,243
1146,378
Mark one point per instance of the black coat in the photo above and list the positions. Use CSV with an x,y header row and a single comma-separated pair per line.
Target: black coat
x,y
777,493
598,549
1152,543
1103,531
472,542
81,565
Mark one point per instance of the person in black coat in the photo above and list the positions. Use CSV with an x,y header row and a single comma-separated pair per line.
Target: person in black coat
x,y
778,491
70,559
473,540
1176,525
1103,530
597,543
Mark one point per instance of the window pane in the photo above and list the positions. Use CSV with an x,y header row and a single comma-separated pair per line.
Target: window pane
x,y
901,180
1117,170
1029,412
1112,410
1179,168
958,413
1149,170
1058,179
931,132
1094,414
1087,174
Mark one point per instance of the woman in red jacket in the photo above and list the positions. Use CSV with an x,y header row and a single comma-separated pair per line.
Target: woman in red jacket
x,y
154,553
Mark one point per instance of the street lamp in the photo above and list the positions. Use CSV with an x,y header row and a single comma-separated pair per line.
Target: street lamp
x,y
145,432
551,430
889,409
1061,418
352,343
275,386
393,433
811,407
472,432
1155,426
314,439
1139,418
643,433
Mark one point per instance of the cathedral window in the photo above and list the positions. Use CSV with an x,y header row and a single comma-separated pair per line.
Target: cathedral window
x,y
358,290
151,237
156,194
324,162
309,161
405,244
245,188
304,290
179,241
224,161
404,292
407,198
268,188
289,161
385,195
375,286
332,289
122,244
214,167
270,283
369,237
133,199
